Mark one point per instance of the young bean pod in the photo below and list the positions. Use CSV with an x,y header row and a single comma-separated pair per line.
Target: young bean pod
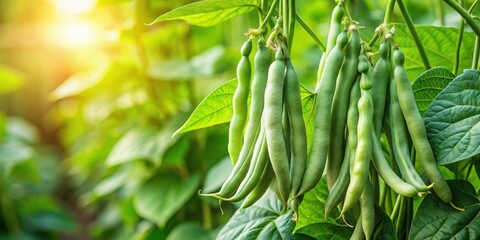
x,y
381,77
417,130
346,77
261,187
334,30
239,102
388,175
401,142
298,136
363,154
318,153
368,210
261,63
272,115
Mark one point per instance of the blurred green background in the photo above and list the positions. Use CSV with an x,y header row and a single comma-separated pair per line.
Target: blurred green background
x,y
90,96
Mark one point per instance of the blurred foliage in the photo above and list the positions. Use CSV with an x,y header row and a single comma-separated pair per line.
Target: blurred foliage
x,y
109,108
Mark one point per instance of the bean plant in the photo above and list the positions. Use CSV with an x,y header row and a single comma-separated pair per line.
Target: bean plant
x,y
256,119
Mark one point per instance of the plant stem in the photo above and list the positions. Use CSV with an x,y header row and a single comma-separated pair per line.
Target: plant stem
x,y
469,171
310,32
386,20
476,53
471,22
396,208
291,22
456,63
207,215
413,32
269,15
440,12
389,12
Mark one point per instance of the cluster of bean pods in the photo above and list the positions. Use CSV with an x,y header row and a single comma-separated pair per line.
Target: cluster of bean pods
x,y
267,138
358,104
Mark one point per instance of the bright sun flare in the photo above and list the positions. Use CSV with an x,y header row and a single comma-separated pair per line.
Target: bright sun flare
x,y
75,34
74,7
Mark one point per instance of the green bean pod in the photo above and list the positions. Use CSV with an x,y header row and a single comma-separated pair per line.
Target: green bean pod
x,y
368,210
358,230
388,175
261,188
298,135
363,154
416,128
318,153
381,77
400,142
240,102
334,30
272,115
257,165
337,193
261,63
345,79
235,178
352,121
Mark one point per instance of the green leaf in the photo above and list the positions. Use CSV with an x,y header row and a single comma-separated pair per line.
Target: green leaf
x,y
263,220
312,209
10,79
77,84
384,228
215,109
141,143
210,12
439,43
437,220
189,230
453,119
217,175
429,84
160,198
325,230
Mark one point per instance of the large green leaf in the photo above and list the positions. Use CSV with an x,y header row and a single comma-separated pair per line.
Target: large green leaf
x,y
146,143
438,220
429,84
439,44
209,12
324,230
159,199
453,119
263,220
312,209
384,228
217,175
215,109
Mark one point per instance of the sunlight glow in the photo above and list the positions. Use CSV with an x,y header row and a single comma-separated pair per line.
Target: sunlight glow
x,y
74,7
75,34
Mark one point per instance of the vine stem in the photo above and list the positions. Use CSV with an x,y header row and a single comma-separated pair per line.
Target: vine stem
x,y
413,32
456,63
386,20
464,13
269,15
310,32
440,12
476,53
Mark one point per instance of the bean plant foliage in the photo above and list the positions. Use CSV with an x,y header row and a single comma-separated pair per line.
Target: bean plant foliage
x,y
251,119
450,107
